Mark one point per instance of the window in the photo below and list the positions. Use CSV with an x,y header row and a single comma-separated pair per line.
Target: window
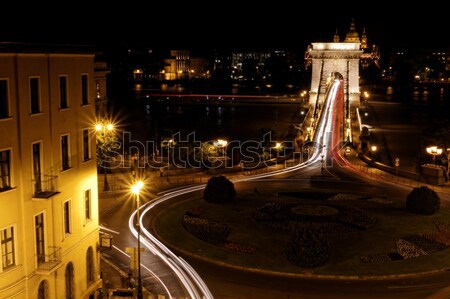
x,y
90,266
34,95
7,249
65,152
67,217
97,89
84,90
86,149
87,204
5,170
37,167
40,242
43,290
70,287
4,102
63,92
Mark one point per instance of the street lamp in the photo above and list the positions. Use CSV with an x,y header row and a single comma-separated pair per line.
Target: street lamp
x,y
136,189
366,97
434,151
105,140
373,151
220,145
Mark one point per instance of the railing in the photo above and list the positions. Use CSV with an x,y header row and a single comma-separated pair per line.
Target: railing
x,y
46,187
49,261
379,174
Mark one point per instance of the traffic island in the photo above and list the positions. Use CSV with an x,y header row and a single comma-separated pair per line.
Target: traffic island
x,y
360,231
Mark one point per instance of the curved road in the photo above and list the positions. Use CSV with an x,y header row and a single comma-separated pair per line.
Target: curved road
x,y
231,283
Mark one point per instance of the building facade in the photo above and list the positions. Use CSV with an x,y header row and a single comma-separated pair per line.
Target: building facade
x,y
48,180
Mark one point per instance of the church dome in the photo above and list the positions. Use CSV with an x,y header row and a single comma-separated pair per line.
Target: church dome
x,y
352,35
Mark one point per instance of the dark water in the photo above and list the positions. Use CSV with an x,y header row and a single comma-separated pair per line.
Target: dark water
x,y
154,120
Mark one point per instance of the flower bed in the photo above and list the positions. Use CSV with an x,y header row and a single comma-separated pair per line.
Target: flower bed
x,y
314,212
212,232
307,248
209,231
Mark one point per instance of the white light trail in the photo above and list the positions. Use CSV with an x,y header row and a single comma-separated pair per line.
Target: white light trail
x,y
192,282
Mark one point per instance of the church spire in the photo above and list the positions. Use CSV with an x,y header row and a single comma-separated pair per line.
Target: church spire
x,y
364,39
336,37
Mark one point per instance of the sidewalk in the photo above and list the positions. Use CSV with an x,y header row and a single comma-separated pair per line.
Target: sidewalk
x,y
378,174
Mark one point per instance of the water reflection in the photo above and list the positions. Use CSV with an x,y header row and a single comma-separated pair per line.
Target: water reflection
x,y
219,121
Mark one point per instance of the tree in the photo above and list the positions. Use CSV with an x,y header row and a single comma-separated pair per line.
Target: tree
x,y
219,190
423,200
106,141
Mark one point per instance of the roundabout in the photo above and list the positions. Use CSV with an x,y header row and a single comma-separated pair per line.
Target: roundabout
x,y
253,233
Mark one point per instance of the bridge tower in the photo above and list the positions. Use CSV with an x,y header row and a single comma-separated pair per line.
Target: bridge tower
x,y
336,60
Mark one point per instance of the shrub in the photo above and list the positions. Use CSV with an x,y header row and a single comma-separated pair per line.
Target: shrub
x,y
355,217
272,211
423,201
408,250
375,258
314,212
219,190
209,231
426,242
306,248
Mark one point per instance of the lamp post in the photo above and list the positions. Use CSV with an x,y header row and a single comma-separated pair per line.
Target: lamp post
x,y
366,97
220,145
434,151
136,189
105,141
373,151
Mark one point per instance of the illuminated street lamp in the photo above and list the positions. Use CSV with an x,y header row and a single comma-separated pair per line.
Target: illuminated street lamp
x,y
366,97
434,151
220,144
105,141
136,189
373,151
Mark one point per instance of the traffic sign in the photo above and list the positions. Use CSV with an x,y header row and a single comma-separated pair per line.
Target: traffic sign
x,y
133,252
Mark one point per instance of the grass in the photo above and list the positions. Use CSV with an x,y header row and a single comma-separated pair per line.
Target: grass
x,y
393,223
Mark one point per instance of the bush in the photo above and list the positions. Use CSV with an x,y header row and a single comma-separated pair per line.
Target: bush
x,y
423,201
272,211
219,190
206,230
306,248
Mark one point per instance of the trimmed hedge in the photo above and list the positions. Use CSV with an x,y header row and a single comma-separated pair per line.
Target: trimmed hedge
x,y
306,248
219,189
209,231
272,211
423,200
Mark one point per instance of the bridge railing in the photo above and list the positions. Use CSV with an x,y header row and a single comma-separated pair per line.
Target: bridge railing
x,y
379,174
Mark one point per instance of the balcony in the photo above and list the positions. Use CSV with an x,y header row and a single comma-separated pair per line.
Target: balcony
x,y
45,187
49,262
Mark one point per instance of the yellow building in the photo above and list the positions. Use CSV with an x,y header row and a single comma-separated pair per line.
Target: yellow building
x,y
48,179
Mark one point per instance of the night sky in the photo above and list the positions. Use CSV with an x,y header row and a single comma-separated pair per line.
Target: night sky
x,y
228,24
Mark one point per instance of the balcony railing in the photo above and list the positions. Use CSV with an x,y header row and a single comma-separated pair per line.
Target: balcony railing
x,y
46,186
49,262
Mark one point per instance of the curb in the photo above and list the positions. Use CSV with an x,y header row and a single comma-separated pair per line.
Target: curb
x,y
310,276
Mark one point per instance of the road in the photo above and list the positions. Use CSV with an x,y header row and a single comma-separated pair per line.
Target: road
x,y
219,282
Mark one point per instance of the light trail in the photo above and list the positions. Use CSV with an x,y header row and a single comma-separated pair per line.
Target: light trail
x,y
191,281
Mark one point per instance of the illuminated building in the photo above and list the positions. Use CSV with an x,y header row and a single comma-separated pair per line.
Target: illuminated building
x,y
48,178
182,65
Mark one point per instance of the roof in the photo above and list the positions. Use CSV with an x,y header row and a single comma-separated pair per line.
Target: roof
x,y
16,47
